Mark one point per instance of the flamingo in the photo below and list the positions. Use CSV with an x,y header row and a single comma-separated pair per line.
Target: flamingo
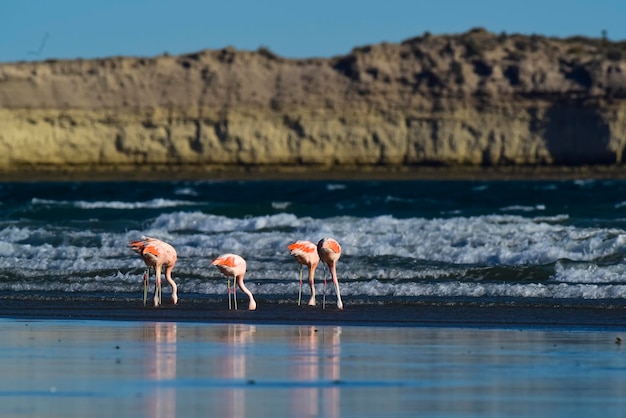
x,y
329,251
233,265
156,254
305,253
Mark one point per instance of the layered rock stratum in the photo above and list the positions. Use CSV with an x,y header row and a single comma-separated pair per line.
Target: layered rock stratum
x,y
475,99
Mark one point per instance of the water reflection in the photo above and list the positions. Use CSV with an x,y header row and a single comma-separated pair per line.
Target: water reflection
x,y
316,370
160,366
233,366
186,370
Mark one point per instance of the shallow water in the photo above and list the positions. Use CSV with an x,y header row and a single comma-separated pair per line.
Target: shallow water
x,y
135,369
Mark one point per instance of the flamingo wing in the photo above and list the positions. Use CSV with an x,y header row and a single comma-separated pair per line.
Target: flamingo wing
x,y
305,252
226,260
230,264
302,246
333,246
329,245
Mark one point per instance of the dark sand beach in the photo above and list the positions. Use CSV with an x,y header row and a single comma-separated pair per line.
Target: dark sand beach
x,y
440,312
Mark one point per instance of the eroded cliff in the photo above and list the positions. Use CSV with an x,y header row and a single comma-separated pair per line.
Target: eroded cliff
x,y
474,99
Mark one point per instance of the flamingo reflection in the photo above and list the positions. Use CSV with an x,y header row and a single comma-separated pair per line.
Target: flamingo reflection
x,y
161,365
316,359
233,366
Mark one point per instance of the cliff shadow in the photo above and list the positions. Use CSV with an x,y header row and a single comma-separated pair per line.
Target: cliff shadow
x,y
577,135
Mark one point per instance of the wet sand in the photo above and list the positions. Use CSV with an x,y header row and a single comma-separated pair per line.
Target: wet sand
x,y
54,368
444,312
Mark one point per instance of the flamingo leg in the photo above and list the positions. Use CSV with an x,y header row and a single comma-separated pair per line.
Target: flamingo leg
x,y
157,289
324,297
300,291
333,275
146,277
235,292
339,302
228,287
312,284
157,295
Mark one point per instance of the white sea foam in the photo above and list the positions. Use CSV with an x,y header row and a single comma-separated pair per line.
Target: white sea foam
x,y
186,191
398,199
381,256
281,205
461,289
556,218
585,182
150,204
486,240
201,222
589,273
522,208
216,285
480,188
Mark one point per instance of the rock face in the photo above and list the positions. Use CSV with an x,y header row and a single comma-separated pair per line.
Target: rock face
x,y
475,99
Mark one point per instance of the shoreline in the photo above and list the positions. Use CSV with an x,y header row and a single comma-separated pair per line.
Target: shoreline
x,y
300,173
545,314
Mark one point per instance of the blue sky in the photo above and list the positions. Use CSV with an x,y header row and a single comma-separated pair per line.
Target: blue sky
x,y
42,29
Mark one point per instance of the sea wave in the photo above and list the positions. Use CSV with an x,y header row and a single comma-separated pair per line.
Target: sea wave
x,y
483,240
132,284
150,204
399,240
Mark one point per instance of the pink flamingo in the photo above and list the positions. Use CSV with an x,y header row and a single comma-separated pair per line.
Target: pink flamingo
x,y
305,253
233,265
156,254
329,251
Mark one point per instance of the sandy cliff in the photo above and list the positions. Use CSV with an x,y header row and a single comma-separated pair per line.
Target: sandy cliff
x,y
475,99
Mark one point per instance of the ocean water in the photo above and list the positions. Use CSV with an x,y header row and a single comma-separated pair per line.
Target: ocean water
x,y
407,244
